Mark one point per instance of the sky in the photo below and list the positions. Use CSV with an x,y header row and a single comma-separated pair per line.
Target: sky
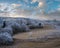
x,y
30,8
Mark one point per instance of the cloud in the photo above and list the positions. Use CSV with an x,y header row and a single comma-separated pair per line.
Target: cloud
x,y
58,9
25,9
7,9
55,13
16,10
41,4
2,6
16,5
34,1
23,12
4,9
29,8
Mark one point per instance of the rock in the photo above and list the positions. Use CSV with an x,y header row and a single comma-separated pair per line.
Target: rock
x,y
16,27
34,24
1,22
9,22
21,21
24,28
5,38
4,24
23,24
19,27
8,29
29,22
